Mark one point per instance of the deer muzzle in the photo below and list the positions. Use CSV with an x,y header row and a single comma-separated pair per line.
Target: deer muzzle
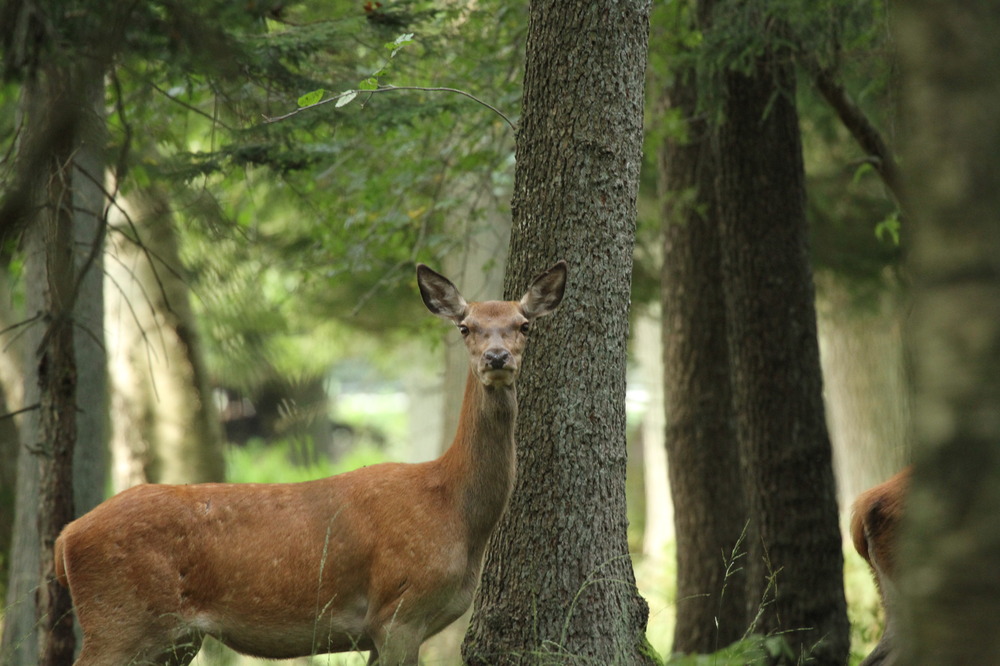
x,y
497,366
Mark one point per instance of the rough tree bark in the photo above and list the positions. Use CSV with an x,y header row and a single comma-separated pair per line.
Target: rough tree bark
x,y
558,583
709,509
950,581
795,562
53,362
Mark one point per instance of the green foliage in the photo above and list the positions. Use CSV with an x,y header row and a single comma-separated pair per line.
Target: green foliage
x,y
371,83
864,609
752,650
296,231
301,229
888,229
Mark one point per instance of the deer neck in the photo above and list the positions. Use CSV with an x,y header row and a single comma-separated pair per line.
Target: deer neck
x,y
481,457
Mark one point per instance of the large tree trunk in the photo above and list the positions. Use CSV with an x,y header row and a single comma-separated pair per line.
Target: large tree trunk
x,y
558,582
709,508
951,544
164,427
795,561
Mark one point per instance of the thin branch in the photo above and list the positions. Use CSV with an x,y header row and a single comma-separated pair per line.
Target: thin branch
x,y
97,244
389,89
860,127
137,239
151,257
23,326
190,107
121,168
386,276
150,350
90,333
16,412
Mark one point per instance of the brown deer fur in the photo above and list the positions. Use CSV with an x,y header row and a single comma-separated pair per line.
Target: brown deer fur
x,y
877,515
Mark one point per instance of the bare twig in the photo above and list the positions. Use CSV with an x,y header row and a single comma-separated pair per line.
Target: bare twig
x,y
19,325
29,408
860,127
193,109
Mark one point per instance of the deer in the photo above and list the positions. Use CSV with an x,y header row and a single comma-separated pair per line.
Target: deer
x,y
377,559
875,522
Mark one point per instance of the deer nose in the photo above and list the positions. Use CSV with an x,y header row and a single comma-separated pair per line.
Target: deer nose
x,y
496,359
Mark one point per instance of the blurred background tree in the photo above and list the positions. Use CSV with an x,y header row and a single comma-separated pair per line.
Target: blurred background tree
x,y
950,544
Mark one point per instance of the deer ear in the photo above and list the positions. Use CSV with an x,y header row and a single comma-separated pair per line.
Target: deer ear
x,y
440,296
545,292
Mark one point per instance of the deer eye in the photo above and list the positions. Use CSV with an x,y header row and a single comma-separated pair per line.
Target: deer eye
x,y
525,327
463,329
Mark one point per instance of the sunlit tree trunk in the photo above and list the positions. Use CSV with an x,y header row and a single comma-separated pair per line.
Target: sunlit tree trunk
x,y
165,427
795,561
658,528
950,576
865,386
11,394
20,632
558,583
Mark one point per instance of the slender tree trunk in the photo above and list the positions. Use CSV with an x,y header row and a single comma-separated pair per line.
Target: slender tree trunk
x,y
20,630
63,445
558,583
795,563
91,455
164,427
658,527
54,365
951,543
710,513
865,386
11,401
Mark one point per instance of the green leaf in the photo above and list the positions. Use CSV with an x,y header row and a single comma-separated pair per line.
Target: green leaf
x,y
370,83
395,45
346,98
311,98
888,229
863,170
402,40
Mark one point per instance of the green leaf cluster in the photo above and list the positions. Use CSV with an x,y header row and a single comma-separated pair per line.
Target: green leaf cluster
x,y
299,231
